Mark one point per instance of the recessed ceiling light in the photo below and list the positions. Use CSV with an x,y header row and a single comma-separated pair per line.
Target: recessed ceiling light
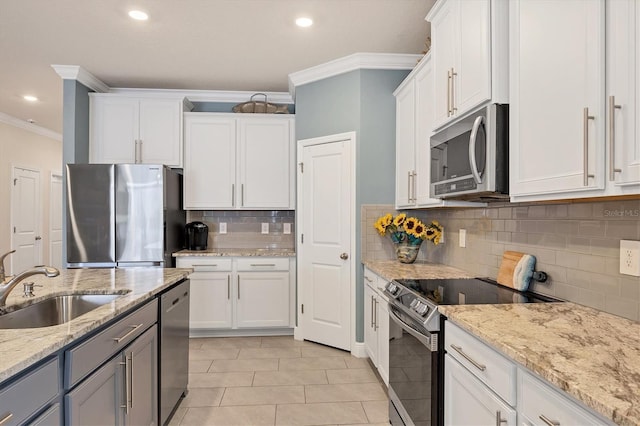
x,y
138,15
29,98
304,22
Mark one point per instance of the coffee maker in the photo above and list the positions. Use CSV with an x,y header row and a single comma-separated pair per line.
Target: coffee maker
x,y
196,235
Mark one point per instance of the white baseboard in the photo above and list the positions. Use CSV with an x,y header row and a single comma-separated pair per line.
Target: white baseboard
x,y
297,333
241,333
358,350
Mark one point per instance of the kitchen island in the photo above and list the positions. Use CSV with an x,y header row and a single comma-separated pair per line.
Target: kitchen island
x,y
21,348
237,252
591,355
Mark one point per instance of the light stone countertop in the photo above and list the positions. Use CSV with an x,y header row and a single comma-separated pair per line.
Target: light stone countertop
x,y
393,270
237,252
20,348
592,355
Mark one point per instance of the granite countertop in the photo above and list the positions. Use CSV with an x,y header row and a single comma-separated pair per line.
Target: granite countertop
x,y
238,252
20,348
393,270
591,355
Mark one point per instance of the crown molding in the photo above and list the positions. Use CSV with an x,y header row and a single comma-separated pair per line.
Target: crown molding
x,y
203,95
25,125
378,61
76,72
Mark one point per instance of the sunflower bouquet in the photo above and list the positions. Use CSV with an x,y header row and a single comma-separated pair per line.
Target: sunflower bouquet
x,y
408,229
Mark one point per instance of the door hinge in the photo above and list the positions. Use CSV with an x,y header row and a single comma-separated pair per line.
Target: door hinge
x,y
301,238
301,167
14,229
15,181
302,308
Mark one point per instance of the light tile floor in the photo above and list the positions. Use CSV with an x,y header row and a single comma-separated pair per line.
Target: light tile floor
x,y
278,381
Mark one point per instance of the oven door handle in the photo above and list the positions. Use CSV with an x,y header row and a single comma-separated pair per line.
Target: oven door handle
x,y
472,149
422,338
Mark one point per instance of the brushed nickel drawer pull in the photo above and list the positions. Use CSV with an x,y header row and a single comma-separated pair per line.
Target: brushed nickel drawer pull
x,y
368,279
548,421
228,286
612,138
263,264
238,287
6,418
476,364
585,141
233,195
499,419
134,328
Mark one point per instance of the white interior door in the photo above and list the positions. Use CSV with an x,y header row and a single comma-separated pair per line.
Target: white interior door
x,y
25,218
55,221
325,249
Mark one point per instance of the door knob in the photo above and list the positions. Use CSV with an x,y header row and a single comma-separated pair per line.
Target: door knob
x,y
344,256
38,238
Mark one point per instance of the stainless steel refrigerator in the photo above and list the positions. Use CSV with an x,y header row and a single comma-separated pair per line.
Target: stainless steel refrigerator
x,y
123,215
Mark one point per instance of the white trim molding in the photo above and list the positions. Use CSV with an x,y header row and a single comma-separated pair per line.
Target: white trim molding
x,y
378,61
76,72
30,127
205,95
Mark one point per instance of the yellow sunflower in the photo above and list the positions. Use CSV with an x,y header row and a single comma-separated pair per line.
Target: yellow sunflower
x,y
387,219
410,224
420,230
380,226
399,220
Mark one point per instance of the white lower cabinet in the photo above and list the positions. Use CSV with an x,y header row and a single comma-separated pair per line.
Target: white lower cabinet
x,y
240,293
482,386
376,323
467,401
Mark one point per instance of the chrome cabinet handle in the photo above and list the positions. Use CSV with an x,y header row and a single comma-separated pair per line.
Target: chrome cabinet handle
x,y
409,186
548,421
499,419
612,138
233,195
238,287
453,85
472,148
133,330
242,195
476,364
228,286
128,402
375,313
38,238
449,78
6,418
372,323
585,140
263,264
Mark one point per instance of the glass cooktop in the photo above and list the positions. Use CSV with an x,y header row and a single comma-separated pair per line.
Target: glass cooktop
x,y
469,291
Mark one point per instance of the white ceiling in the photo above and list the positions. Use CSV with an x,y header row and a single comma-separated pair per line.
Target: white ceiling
x,y
246,45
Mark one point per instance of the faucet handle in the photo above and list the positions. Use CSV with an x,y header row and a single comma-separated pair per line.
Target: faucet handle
x,y
2,275
28,289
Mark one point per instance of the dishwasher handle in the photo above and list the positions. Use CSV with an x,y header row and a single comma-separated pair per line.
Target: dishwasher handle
x,y
168,307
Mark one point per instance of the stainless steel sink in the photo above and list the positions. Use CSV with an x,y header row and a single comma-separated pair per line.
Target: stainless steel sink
x,y
54,310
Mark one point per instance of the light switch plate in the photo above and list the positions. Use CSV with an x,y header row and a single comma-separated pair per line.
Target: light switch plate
x,y
223,227
630,257
286,228
462,238
265,227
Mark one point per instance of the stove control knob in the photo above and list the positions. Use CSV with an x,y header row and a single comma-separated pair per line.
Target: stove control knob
x,y
414,304
422,309
392,288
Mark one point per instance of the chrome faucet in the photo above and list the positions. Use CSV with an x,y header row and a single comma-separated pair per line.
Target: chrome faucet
x,y
6,288
2,275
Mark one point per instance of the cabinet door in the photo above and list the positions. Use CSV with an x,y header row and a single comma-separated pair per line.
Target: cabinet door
x,y
114,129
468,402
97,400
210,162
370,331
210,303
262,299
444,51
472,82
405,145
623,47
382,321
160,135
557,85
142,366
265,163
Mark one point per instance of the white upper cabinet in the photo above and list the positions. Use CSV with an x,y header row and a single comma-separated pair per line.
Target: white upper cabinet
x,y
414,125
573,113
126,129
238,162
470,56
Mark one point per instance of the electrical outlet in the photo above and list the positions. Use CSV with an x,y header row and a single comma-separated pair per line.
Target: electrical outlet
x,y
462,238
223,227
265,227
630,257
286,228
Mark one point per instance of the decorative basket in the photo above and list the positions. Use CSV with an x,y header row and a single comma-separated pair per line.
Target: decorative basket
x,y
260,107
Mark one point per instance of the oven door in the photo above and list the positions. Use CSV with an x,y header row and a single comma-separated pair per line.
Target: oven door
x,y
413,373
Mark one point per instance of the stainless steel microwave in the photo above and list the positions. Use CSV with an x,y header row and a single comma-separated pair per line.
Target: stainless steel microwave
x,y
470,159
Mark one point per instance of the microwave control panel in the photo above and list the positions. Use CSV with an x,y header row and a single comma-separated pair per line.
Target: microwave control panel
x,y
461,185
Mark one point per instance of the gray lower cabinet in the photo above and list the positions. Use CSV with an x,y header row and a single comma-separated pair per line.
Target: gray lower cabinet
x,y
51,417
121,392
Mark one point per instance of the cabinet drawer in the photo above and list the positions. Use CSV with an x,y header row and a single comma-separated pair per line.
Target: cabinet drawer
x,y
86,357
493,369
29,394
263,264
538,401
204,263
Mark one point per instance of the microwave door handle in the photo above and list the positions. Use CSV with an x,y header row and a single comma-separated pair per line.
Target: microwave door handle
x,y
472,148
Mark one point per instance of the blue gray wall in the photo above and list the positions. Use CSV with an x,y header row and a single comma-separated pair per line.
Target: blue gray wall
x,y
360,101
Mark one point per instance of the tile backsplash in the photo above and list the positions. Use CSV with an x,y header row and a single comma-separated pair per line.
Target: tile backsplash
x,y
244,228
577,244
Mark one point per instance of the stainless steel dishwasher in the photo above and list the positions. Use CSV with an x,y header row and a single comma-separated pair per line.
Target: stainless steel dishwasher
x,y
173,367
